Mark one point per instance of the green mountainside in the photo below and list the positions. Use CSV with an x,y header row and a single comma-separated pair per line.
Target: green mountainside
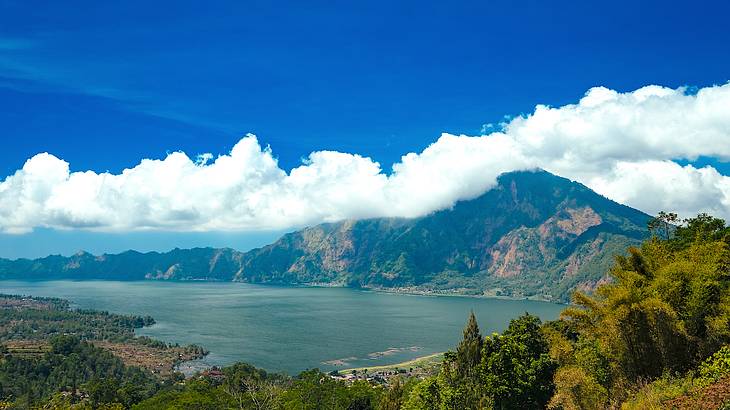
x,y
533,235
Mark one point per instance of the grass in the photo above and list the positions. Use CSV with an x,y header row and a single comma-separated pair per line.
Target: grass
x,y
654,395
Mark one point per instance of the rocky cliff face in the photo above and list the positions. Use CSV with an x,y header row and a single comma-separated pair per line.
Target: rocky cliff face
x,y
534,234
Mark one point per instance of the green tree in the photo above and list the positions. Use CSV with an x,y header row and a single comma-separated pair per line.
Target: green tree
x,y
702,228
76,368
195,394
251,387
469,350
517,370
313,389
666,309
426,395
663,224
393,397
461,385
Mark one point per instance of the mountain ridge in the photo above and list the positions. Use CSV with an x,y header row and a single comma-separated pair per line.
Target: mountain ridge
x,y
533,235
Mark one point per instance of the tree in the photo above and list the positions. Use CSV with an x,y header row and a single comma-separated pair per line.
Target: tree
x,y
426,395
666,309
663,224
393,397
584,376
64,345
313,389
577,390
363,396
102,391
517,370
460,374
702,228
469,350
250,387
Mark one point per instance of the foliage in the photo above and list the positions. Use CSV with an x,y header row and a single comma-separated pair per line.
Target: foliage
x,y
77,368
702,228
663,225
584,377
195,394
516,366
313,389
715,367
652,396
513,370
666,310
246,387
426,395
577,389
393,397
42,318
251,387
469,350
690,387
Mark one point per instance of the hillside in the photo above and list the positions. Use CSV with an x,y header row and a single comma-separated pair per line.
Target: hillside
x,y
534,234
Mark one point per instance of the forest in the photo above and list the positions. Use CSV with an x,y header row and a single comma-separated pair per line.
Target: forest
x,y
654,336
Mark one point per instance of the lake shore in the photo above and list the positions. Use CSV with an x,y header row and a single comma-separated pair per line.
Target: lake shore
x,y
413,363
418,291
258,323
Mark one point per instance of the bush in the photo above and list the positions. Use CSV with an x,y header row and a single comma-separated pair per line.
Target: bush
x,y
716,367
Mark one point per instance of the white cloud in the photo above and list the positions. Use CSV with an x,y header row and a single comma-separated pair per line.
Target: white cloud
x,y
619,144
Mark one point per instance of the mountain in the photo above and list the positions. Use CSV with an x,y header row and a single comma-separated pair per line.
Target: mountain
x,y
533,235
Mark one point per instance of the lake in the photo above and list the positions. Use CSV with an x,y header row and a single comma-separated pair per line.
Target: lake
x,y
290,329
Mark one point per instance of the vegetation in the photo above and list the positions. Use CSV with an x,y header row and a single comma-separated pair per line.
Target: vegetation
x,y
666,311
25,318
655,336
72,371
708,388
27,324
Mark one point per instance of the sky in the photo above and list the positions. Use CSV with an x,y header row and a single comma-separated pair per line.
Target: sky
x,y
151,126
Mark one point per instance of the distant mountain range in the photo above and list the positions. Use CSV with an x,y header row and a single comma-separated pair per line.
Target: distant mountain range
x,y
533,235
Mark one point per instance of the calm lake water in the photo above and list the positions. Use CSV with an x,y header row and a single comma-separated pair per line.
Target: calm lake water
x,y
291,329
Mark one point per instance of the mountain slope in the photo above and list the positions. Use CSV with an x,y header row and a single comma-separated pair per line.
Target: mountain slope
x,y
179,264
534,234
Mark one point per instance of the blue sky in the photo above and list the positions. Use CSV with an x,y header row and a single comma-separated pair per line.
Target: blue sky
x,y
104,85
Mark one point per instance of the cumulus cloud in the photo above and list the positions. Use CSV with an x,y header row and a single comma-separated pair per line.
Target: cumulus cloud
x,y
623,145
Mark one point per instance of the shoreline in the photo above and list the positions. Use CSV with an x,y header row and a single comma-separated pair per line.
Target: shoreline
x,y
404,290
415,362
447,293
415,291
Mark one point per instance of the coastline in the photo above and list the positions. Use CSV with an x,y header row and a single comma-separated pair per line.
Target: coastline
x,y
420,361
454,293
402,290
417,291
